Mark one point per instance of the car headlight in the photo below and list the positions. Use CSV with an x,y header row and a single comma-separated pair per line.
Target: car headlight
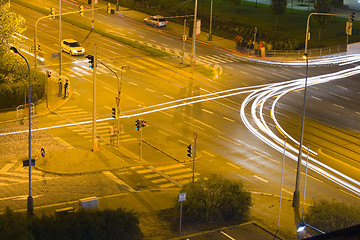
x,y
73,51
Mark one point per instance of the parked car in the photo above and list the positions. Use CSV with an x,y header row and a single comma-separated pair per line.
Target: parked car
x,y
156,21
72,47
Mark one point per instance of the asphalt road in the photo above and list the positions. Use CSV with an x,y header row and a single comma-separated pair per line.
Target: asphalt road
x,y
225,146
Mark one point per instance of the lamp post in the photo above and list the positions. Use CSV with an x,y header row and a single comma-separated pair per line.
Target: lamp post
x,y
211,13
303,225
30,202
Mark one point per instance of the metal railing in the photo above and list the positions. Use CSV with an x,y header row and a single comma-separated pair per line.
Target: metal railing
x,y
21,110
316,52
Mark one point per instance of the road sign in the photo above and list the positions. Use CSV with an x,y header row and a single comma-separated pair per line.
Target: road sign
x,y
55,55
182,197
42,152
26,163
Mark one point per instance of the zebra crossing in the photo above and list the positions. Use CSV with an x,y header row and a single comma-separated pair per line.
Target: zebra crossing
x,y
75,114
218,59
10,174
167,176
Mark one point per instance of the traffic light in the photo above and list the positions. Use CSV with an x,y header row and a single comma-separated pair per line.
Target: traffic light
x,y
81,9
351,17
115,113
189,150
48,73
91,61
108,9
52,12
137,124
143,123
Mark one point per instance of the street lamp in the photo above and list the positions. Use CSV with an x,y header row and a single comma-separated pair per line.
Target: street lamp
x,y
30,202
303,225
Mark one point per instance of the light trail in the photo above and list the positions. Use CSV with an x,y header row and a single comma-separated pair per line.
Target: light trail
x,y
259,127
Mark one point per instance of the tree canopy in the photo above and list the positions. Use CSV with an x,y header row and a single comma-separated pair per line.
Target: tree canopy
x,y
321,6
215,199
330,216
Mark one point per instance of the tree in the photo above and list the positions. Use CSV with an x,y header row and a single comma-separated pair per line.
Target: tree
x,y
337,4
330,216
215,199
233,4
278,7
12,26
321,6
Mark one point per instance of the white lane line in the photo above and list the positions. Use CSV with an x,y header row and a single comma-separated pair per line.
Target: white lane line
x,y
164,133
183,142
209,154
168,96
132,83
150,90
233,165
260,78
111,90
349,194
118,181
167,114
337,95
207,111
90,99
261,179
108,107
259,69
227,235
132,99
231,120
242,72
278,75
76,93
235,143
312,177
229,67
342,87
337,105
357,112
316,98
266,157
194,125
287,191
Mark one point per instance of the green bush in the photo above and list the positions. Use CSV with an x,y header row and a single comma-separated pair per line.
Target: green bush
x,y
97,225
330,216
214,200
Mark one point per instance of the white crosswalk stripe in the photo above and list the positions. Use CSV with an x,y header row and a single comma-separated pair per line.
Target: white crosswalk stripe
x,y
179,172
218,59
75,114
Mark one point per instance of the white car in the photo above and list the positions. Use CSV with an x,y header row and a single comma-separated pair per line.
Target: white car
x,y
72,47
156,21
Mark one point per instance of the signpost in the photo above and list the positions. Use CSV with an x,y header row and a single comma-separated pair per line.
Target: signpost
x,y
182,197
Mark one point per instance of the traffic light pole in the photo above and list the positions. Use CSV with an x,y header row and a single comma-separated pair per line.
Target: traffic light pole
x,y
94,103
140,144
194,156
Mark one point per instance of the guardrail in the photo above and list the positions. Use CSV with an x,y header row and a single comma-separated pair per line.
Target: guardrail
x,y
22,110
316,52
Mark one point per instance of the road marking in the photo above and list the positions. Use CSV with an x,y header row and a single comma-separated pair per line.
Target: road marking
x,y
260,78
132,83
132,99
266,157
229,67
150,90
194,125
209,154
337,95
167,114
337,105
227,235
357,112
235,143
207,111
349,194
168,96
76,93
261,179
118,181
108,107
90,99
275,74
111,90
233,165
242,72
316,98
342,87
311,177
231,120
183,142
166,134
287,191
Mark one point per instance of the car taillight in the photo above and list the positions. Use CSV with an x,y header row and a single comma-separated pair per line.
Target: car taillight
x,y
158,23
166,22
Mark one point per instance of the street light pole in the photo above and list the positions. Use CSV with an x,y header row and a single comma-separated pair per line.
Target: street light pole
x,y
30,202
192,60
211,13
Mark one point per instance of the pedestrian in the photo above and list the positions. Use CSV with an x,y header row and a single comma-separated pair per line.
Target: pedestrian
x,y
237,42
66,88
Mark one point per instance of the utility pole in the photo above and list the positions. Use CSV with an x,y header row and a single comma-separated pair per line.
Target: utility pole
x,y
95,143
184,41
194,156
211,13
192,60
60,39
92,13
